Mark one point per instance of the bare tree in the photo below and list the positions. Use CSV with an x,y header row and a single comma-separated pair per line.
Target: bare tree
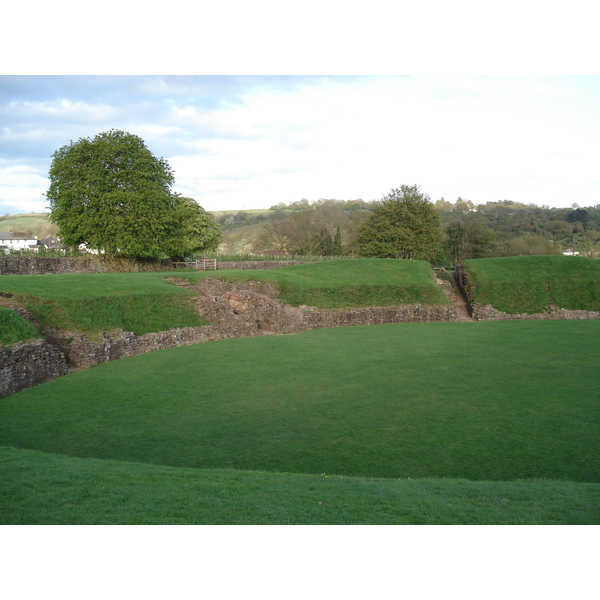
x,y
274,235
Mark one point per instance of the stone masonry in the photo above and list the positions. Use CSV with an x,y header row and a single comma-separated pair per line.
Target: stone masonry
x,y
25,365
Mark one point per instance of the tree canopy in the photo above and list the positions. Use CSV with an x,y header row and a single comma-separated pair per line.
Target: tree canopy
x,y
199,230
112,194
404,225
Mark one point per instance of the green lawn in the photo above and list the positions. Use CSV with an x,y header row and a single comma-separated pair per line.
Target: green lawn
x,y
95,302
492,422
82,286
347,283
41,488
487,402
529,284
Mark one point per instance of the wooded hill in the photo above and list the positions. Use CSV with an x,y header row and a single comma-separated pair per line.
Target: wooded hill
x,y
503,228
329,227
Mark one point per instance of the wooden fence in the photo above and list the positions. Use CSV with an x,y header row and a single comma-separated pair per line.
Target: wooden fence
x,y
201,264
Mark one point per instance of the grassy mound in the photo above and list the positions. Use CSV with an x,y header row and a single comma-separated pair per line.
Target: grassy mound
x,y
40,488
14,328
92,303
491,401
528,284
347,283
145,302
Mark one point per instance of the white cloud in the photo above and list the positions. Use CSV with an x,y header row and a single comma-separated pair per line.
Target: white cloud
x,y
256,144
359,141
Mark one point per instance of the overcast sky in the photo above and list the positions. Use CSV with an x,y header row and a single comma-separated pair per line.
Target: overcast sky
x,y
253,141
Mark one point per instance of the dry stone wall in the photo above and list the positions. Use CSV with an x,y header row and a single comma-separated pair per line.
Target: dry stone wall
x,y
28,364
46,265
257,265
489,313
42,265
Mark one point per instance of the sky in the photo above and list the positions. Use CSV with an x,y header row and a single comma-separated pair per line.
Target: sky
x,y
251,141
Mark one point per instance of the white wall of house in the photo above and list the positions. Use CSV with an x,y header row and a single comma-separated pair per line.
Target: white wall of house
x,y
17,242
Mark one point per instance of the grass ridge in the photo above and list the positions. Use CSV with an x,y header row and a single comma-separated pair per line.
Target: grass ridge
x,y
70,490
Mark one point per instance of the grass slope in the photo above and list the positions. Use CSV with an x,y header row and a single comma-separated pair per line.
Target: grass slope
x,y
484,401
14,328
347,283
528,284
96,302
40,488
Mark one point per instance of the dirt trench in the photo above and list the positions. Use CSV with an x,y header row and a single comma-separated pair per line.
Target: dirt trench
x,y
456,299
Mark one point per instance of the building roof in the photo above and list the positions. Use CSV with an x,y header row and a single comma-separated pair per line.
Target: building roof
x,y
16,235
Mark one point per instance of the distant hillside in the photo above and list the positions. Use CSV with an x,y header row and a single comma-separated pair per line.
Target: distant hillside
x,y
37,224
493,229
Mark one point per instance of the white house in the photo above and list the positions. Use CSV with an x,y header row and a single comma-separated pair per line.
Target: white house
x,y
19,241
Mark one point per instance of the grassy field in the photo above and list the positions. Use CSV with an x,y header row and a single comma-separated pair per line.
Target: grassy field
x,y
82,286
14,328
510,406
96,302
347,283
528,284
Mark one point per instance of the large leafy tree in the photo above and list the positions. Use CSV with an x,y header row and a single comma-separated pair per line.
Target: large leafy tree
x,y
404,225
114,195
199,230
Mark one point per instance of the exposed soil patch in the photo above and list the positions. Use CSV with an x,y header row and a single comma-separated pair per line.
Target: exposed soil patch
x,y
453,293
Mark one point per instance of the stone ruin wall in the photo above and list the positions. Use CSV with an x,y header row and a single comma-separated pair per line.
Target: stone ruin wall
x,y
28,364
233,310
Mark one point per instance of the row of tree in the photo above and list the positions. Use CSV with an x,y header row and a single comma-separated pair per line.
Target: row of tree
x,y
406,219
112,194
